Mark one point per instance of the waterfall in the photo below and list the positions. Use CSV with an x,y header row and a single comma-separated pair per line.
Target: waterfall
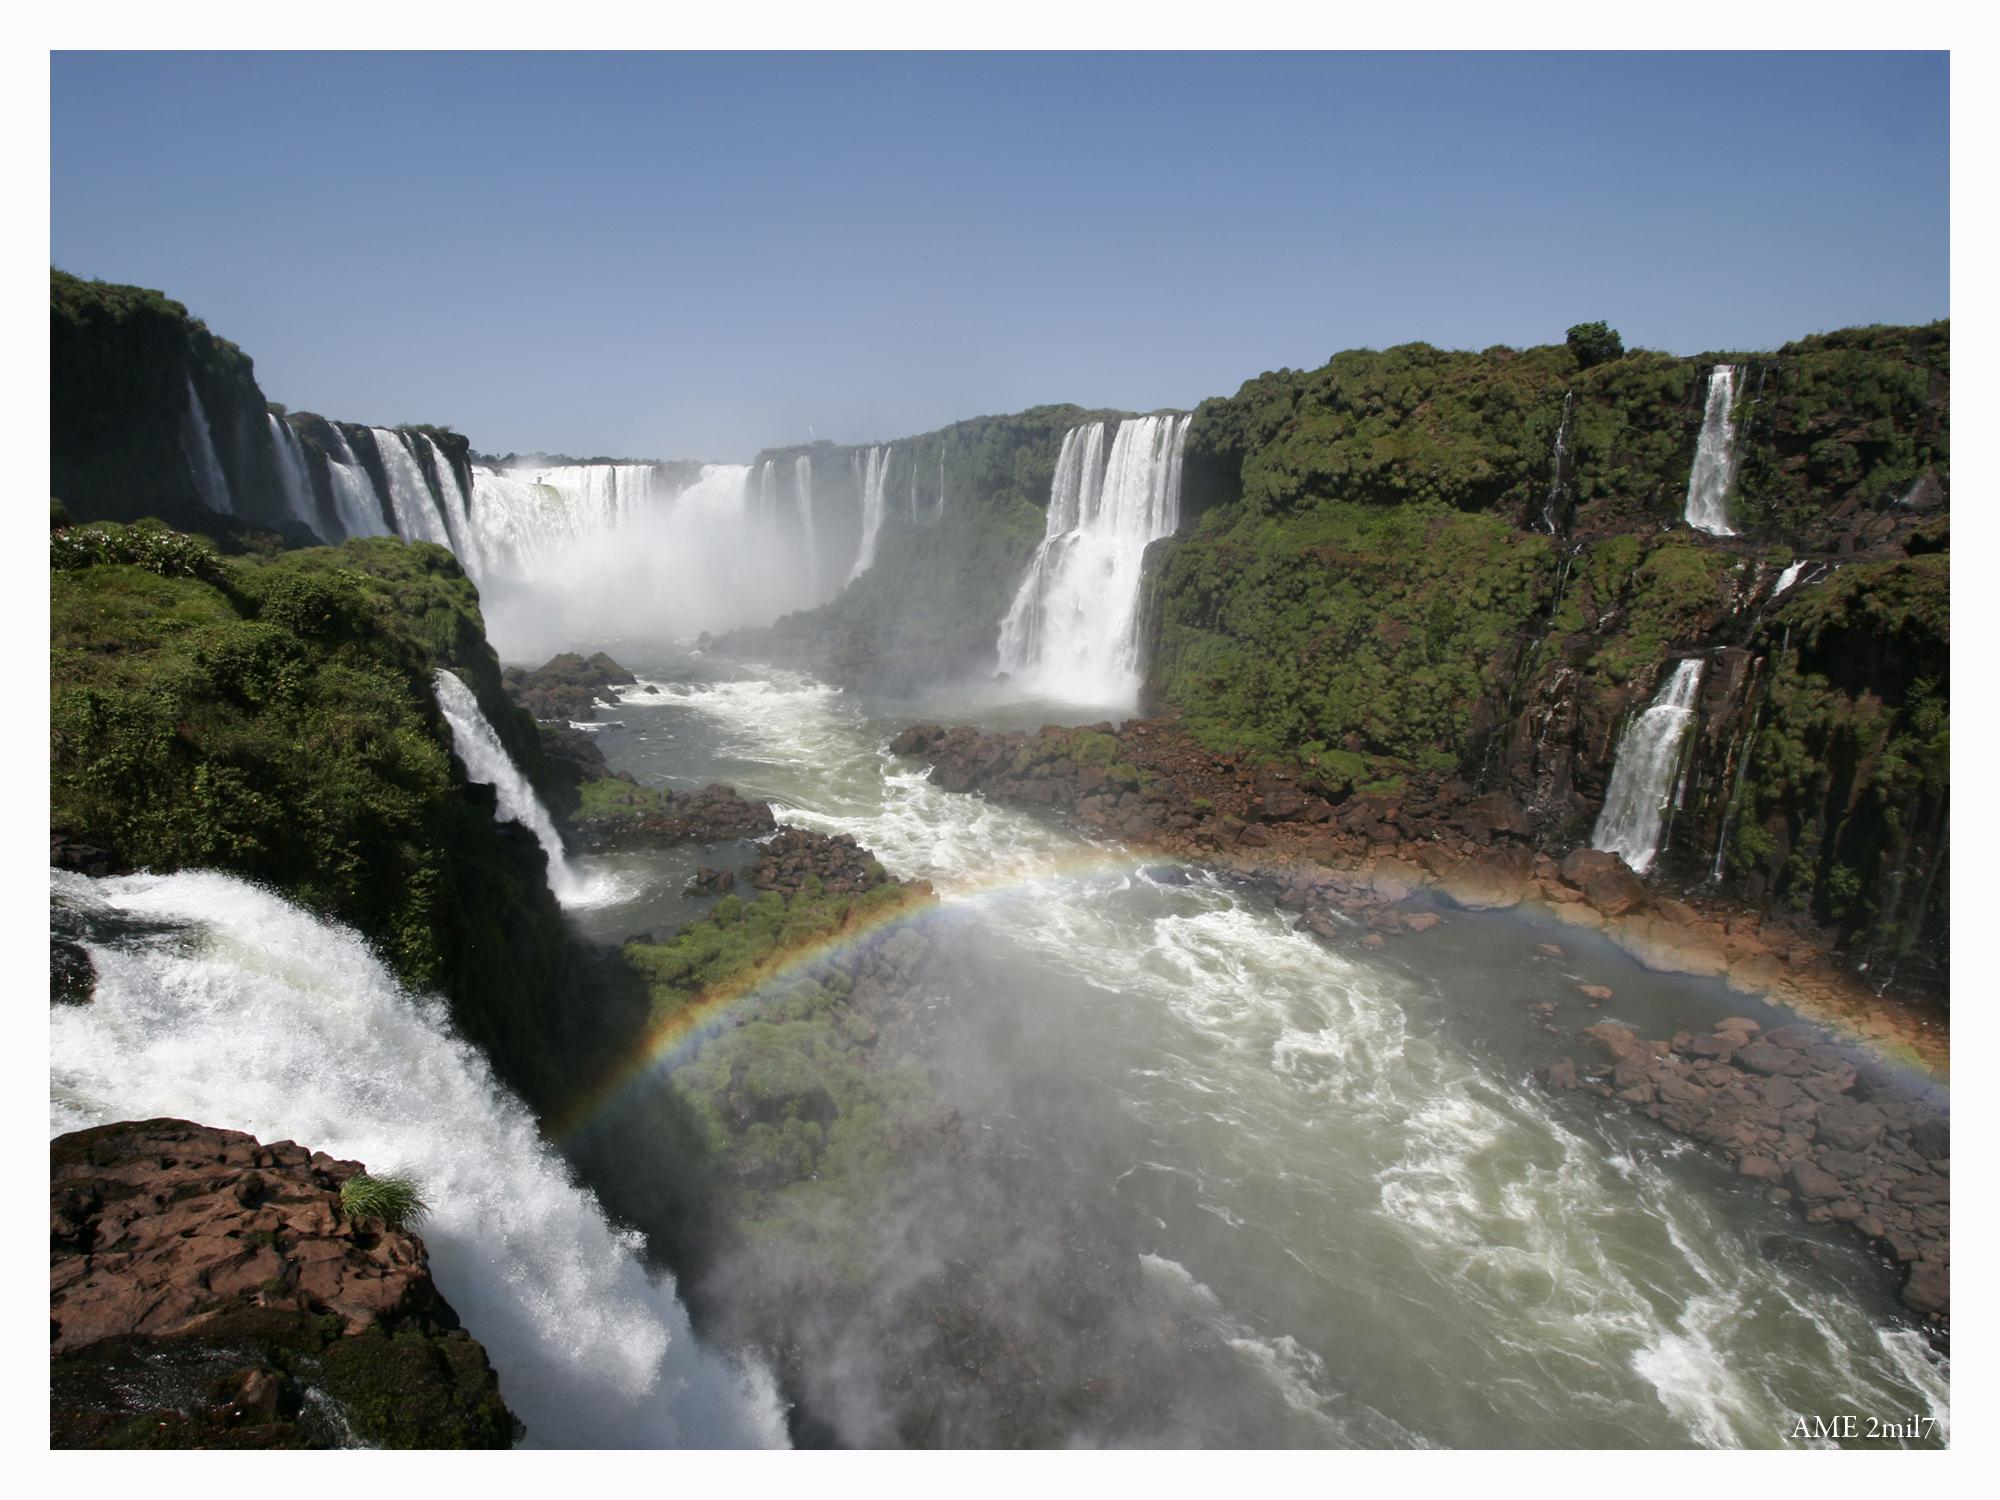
x,y
258,1016
292,476
1552,503
1714,472
198,444
802,490
1072,632
940,498
451,502
874,475
1643,775
486,760
418,518
913,489
1788,577
522,520
355,502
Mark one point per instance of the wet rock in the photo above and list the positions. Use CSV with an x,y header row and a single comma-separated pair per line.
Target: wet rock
x,y
1606,881
1852,1127
72,975
178,1251
567,686
1760,1169
1927,1292
1788,1250
1814,1183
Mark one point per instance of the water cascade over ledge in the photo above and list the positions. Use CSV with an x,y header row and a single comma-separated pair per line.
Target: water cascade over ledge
x,y
1645,772
1714,472
487,761
218,1001
1072,632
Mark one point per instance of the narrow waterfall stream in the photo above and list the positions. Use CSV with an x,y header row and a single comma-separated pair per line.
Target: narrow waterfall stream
x,y
1645,773
1714,472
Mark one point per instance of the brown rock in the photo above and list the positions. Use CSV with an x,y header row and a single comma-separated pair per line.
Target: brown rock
x,y
1815,1185
1606,881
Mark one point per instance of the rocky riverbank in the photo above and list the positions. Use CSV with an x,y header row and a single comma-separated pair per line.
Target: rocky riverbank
x,y
1362,863
1851,1141
206,1290
1827,1128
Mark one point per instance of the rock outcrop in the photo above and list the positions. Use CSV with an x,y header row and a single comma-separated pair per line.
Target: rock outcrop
x,y
1827,1128
206,1290
618,813
566,687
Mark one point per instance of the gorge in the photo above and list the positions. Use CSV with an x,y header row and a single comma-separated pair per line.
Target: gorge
x,y
1175,963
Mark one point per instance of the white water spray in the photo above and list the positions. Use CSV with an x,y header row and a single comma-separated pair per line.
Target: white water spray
x,y
1714,472
355,502
1644,773
257,1016
487,761
410,498
292,477
1072,631
874,473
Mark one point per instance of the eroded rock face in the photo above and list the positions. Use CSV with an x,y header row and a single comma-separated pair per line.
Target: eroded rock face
x,y
201,1284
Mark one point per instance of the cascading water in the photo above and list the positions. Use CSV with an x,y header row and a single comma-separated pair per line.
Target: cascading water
x,y
249,1013
418,518
451,501
355,502
523,520
487,761
1552,502
1787,578
1643,775
802,496
874,474
292,476
1714,472
1072,630
198,443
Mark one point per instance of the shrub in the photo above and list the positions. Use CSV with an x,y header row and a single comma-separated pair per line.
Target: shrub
x,y
397,1201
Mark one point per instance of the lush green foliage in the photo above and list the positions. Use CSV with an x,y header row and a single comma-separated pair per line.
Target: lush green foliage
x,y
1594,343
1846,807
396,1200
1345,628
276,719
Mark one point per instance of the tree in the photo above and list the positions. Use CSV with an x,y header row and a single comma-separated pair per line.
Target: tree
x,y
1594,343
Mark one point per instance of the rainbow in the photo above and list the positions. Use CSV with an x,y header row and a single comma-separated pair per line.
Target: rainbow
x,y
669,1041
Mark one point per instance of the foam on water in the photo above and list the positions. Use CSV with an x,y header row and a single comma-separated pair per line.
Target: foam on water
x,y
257,1016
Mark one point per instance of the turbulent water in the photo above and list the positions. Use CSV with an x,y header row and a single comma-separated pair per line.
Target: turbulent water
x,y
1071,633
221,1003
1330,1171
1646,771
1714,472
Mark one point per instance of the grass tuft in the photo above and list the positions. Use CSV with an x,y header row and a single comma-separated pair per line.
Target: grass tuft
x,y
397,1201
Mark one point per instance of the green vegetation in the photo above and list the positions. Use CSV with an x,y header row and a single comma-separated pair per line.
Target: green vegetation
x,y
396,1200
1847,797
275,719
791,1104
1594,343
1344,632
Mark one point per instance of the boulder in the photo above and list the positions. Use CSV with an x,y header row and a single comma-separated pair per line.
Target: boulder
x,y
1815,1184
1606,881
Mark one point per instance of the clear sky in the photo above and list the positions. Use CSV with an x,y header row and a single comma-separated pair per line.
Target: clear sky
x,y
696,256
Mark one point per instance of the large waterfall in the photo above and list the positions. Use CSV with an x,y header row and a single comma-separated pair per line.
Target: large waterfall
x,y
1072,631
249,1013
198,443
874,473
1714,472
802,495
487,761
1645,771
418,518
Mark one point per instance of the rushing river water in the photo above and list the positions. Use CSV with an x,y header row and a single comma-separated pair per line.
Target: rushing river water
x,y
1336,1162
1342,1212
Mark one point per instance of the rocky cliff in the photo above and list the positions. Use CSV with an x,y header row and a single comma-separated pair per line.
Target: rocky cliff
x,y
206,1290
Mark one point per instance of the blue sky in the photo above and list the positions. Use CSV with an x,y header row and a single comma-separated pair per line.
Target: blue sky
x,y
696,256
